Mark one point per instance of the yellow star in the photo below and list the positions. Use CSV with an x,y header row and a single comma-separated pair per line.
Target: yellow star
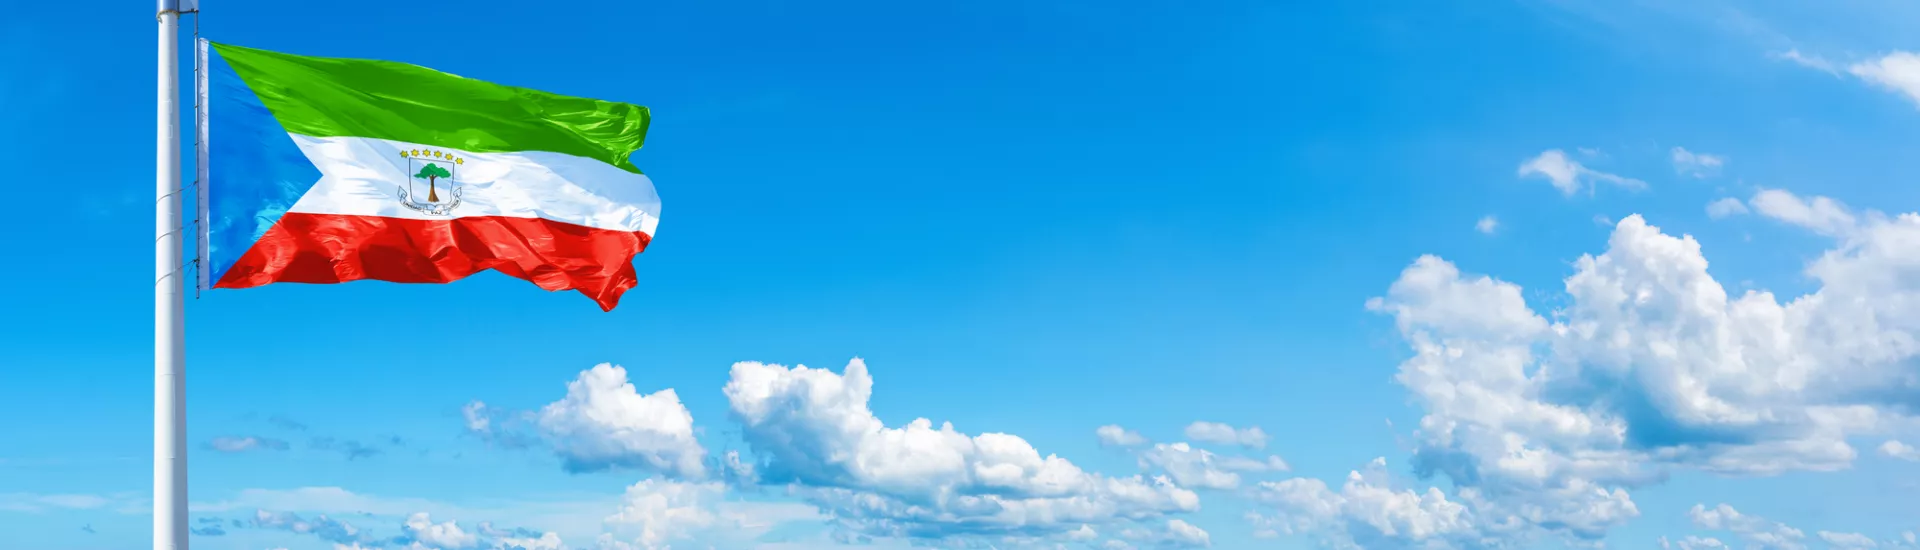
x,y
436,154
459,161
416,152
403,153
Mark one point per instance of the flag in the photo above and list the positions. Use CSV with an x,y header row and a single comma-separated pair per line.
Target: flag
x,y
326,170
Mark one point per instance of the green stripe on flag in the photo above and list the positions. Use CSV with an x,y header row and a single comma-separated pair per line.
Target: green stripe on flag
x,y
333,97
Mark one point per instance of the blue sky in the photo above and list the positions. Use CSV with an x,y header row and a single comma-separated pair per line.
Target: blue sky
x,y
1040,219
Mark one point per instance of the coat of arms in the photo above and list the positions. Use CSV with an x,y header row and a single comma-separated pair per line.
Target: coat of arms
x,y
432,186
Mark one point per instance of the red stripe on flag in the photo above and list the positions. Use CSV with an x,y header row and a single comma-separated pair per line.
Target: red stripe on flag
x,y
329,248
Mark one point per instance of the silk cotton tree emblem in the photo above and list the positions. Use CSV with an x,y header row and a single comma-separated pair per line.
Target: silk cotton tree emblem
x,y
431,171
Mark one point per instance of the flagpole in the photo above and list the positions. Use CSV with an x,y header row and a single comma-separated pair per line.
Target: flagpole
x,y
169,311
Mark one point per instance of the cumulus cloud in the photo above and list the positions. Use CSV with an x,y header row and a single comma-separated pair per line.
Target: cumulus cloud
x,y
604,423
1649,366
1726,207
1486,225
243,444
656,512
1568,175
814,432
1896,449
1221,434
1698,165
1112,435
1186,534
420,528
1367,512
1898,72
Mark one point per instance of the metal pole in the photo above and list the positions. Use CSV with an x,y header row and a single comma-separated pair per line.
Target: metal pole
x,y
169,318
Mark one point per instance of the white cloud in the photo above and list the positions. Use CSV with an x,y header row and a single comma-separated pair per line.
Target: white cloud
x,y
1112,435
326,528
656,512
1083,534
1245,464
815,433
1367,512
477,419
526,541
1189,467
1186,534
1568,175
650,514
1726,207
1810,61
1898,72
1176,534
603,422
1758,532
1847,541
1698,165
576,518
1649,366
421,529
1486,225
243,444
1221,434
1694,543
1902,451
313,499
1820,214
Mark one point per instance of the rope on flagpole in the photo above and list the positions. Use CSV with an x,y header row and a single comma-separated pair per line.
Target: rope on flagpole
x,y
198,215
199,183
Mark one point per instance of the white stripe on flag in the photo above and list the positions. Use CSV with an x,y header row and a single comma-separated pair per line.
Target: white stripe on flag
x,y
363,177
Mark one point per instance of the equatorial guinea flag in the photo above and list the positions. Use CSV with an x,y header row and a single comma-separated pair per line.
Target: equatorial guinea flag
x,y
330,170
